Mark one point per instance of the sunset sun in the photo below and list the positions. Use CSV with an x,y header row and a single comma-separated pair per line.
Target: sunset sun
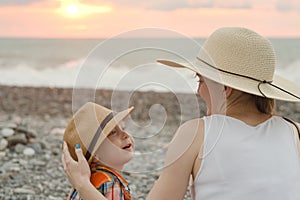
x,y
76,9
72,9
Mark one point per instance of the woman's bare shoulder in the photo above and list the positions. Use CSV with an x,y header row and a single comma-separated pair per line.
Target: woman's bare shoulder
x,y
196,124
189,135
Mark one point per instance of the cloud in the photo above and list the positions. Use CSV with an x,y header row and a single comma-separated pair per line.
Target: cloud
x,y
182,4
287,6
167,5
17,2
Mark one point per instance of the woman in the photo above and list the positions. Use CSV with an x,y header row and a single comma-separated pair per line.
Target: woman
x,y
241,150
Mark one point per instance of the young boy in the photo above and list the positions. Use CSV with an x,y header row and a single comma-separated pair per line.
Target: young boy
x,y
106,146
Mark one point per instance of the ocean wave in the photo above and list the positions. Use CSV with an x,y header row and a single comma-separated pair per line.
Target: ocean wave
x,y
76,74
291,72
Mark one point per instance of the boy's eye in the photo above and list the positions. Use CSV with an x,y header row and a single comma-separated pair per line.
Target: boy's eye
x,y
112,132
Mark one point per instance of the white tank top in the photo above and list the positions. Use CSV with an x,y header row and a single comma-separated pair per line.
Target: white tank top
x,y
242,162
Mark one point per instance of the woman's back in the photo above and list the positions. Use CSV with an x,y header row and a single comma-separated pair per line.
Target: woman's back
x,y
248,162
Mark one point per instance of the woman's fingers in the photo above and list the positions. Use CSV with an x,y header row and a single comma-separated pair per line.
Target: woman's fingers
x,y
79,153
63,161
77,172
66,157
82,163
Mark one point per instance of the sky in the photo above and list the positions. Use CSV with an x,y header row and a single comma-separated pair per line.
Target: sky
x,y
107,18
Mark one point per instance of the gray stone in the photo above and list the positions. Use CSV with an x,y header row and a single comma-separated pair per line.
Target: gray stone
x,y
8,125
47,156
43,144
23,162
38,163
3,144
23,191
15,168
7,132
37,147
28,151
2,154
57,131
9,166
15,139
19,148
28,132
17,119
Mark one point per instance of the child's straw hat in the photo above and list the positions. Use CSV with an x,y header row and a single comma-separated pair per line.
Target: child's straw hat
x,y
89,126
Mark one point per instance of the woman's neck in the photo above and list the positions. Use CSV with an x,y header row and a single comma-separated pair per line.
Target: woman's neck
x,y
243,108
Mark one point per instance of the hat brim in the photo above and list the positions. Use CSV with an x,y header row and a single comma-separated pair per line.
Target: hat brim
x,y
290,93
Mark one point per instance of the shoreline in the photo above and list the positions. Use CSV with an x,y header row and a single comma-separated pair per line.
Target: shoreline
x,y
39,101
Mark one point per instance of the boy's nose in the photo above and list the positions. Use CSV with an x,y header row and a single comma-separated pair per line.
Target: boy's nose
x,y
125,135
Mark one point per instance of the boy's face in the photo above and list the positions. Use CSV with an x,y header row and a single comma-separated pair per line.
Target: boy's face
x,y
116,149
121,139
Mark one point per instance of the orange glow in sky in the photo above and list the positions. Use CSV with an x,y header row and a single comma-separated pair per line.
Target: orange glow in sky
x,y
73,8
107,18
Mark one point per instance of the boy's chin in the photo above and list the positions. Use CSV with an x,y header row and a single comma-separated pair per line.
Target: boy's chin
x,y
127,156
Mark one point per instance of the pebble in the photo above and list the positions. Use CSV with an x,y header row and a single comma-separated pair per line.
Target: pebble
x,y
38,163
15,139
28,151
28,132
7,132
8,125
3,144
17,119
15,168
57,131
37,147
2,154
23,162
19,148
10,166
23,191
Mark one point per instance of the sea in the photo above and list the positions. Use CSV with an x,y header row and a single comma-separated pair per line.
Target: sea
x,y
116,63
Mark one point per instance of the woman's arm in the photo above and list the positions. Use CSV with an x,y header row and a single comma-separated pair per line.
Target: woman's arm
x,y
79,174
182,153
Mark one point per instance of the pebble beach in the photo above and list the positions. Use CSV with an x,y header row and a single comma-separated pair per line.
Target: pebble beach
x,y
32,123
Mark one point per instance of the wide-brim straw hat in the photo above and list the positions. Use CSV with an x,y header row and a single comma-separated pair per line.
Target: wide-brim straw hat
x,y
244,60
89,126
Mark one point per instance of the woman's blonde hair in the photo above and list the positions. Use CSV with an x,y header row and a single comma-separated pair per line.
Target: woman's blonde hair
x,y
264,105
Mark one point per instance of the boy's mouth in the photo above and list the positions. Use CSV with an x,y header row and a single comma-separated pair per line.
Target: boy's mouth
x,y
127,147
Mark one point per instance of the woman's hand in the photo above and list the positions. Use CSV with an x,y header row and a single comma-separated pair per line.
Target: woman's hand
x,y
79,172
